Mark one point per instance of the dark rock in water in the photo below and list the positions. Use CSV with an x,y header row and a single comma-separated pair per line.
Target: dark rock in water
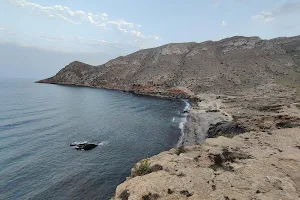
x,y
226,129
86,146
73,144
83,145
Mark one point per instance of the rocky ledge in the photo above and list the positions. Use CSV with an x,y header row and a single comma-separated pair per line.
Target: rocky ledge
x,y
254,165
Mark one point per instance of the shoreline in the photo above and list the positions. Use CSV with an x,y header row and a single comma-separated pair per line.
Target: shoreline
x,y
197,109
185,111
154,94
188,107
203,115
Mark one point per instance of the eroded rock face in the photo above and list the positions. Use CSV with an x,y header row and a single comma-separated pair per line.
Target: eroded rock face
x,y
180,92
240,43
224,128
254,165
171,49
224,66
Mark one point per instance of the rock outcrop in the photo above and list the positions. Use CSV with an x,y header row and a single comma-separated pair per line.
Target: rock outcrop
x,y
254,165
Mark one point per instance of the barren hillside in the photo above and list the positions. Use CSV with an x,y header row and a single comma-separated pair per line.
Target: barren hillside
x,y
235,63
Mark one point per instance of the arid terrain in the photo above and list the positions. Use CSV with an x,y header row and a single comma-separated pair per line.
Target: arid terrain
x,y
228,66
241,140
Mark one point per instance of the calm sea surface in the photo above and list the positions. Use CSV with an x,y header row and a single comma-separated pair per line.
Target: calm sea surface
x,y
39,121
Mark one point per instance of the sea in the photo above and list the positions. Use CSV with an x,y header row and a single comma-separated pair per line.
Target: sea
x,y
38,122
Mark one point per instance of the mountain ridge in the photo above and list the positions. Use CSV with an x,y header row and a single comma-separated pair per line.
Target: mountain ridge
x,y
234,63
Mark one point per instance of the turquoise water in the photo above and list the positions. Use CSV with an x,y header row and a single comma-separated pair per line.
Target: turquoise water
x,y
39,121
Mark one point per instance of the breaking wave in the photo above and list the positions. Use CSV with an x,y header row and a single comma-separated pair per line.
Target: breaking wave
x,y
182,122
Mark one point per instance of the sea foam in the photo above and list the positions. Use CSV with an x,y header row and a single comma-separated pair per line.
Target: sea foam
x,y
182,122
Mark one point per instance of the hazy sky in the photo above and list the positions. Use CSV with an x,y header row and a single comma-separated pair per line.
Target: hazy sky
x,y
94,31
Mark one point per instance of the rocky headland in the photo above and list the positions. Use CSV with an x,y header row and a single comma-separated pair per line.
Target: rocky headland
x,y
241,139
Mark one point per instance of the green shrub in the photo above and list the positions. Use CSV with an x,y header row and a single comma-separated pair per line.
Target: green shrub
x,y
143,168
214,167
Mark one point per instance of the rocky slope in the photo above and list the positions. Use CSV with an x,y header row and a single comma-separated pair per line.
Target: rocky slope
x,y
225,66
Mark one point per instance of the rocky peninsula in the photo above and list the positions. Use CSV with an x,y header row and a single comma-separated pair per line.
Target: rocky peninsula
x,y
245,98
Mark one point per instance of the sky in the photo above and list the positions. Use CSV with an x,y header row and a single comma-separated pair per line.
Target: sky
x,y
39,37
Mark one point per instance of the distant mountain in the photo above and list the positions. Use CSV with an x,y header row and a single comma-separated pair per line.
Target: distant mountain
x,y
224,66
